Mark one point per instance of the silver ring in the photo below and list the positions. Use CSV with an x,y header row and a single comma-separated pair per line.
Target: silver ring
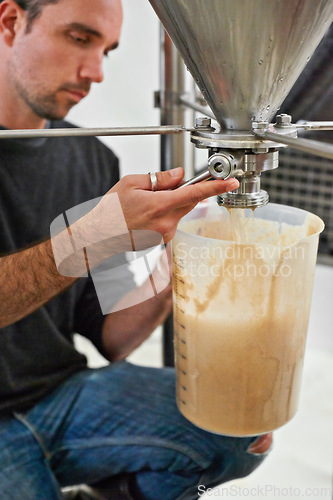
x,y
153,181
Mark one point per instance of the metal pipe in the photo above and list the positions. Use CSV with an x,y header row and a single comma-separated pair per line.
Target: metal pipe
x,y
172,86
196,107
98,132
314,125
317,148
203,176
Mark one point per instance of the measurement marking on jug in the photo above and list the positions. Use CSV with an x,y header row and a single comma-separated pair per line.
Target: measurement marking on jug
x,y
181,340
180,354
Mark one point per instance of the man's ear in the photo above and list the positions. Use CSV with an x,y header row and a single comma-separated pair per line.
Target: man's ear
x,y
12,20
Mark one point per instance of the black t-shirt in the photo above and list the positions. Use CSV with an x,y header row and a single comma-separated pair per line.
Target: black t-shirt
x,y
40,179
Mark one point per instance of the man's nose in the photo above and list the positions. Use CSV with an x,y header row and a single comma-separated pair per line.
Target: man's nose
x,y
92,69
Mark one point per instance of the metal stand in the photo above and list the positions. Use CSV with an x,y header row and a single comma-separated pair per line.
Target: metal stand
x,y
172,81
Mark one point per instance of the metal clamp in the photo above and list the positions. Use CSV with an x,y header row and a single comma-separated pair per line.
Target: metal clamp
x,y
221,165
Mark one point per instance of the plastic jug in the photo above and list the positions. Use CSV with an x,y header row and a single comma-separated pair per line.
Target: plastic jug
x,y
242,286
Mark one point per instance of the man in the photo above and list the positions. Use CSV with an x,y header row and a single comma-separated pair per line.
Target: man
x,y
62,423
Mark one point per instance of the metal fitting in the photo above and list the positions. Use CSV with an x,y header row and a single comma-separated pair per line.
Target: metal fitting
x,y
220,165
224,163
283,120
203,122
248,195
259,126
260,150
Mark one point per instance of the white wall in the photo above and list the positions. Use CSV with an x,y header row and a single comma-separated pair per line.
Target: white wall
x,y
125,98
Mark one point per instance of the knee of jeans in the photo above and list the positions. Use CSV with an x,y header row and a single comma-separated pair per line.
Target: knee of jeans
x,y
246,459
238,461
253,456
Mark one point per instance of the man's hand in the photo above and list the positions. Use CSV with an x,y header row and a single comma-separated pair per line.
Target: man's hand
x,y
130,217
162,210
31,276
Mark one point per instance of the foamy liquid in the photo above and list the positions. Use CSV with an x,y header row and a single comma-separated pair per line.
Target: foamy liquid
x,y
239,340
239,379
241,225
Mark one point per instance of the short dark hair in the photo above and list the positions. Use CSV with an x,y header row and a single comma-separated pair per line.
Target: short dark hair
x,y
33,8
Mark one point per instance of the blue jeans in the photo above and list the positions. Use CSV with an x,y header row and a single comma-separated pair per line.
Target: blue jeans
x,y
121,418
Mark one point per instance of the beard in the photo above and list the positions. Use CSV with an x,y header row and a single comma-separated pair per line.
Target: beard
x,y
47,106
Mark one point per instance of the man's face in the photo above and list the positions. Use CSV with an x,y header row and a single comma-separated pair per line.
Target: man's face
x,y
53,65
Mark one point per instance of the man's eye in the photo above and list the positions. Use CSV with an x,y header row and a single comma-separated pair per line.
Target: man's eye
x,y
79,39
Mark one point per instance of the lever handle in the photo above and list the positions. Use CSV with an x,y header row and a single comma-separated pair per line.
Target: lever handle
x,y
204,176
221,165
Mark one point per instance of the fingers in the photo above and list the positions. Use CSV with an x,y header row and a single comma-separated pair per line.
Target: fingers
x,y
165,180
169,179
193,194
161,210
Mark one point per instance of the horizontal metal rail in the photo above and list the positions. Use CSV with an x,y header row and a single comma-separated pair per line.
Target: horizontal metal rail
x,y
314,125
317,148
98,132
197,107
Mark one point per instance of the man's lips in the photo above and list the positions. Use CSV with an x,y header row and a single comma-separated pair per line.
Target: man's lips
x,y
76,94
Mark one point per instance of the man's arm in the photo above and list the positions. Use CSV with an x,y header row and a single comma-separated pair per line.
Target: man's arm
x,y
123,331
126,329
28,279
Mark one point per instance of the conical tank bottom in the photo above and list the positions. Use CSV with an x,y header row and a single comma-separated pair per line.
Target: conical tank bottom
x,y
245,55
